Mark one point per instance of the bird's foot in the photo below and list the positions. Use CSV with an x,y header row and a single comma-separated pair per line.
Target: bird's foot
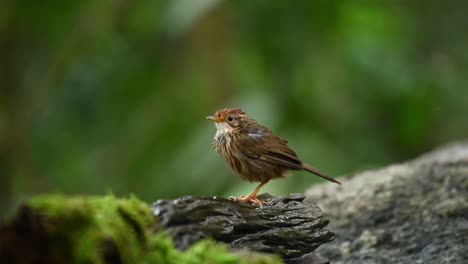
x,y
248,199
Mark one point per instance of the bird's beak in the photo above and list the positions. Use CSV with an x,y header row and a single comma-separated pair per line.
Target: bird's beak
x,y
213,118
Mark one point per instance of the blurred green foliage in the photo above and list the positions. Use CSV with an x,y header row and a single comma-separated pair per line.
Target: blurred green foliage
x,y
112,95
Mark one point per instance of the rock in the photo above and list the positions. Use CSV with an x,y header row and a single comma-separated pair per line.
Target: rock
x,y
415,212
287,226
101,229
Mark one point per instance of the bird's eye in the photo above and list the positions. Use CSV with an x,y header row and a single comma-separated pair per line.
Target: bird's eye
x,y
230,118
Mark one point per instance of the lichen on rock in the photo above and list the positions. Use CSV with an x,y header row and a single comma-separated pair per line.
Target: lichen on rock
x,y
414,212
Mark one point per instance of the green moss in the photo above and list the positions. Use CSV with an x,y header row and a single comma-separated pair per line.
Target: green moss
x,y
90,227
205,251
93,229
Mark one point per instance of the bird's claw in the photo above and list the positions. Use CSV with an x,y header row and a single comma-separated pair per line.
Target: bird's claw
x,y
247,199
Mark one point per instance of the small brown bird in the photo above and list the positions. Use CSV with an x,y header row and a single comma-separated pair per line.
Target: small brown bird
x,y
253,152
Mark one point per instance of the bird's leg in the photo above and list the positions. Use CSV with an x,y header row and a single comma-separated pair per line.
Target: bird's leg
x,y
251,197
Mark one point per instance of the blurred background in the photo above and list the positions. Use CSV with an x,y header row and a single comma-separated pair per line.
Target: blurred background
x,y
111,96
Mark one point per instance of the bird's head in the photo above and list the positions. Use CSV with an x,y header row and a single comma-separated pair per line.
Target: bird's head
x,y
228,119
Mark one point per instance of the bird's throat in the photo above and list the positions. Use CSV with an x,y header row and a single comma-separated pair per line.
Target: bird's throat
x,y
223,128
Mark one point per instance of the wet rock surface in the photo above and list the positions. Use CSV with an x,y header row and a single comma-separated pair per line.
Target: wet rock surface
x,y
415,212
287,226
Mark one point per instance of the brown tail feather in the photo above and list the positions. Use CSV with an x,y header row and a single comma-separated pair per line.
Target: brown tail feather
x,y
318,173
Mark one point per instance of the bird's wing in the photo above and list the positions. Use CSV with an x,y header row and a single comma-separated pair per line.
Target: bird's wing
x,y
263,145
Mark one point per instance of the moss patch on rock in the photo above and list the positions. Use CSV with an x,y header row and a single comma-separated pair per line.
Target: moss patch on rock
x,y
101,229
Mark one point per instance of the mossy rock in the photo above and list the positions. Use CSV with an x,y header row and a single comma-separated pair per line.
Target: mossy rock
x,y
101,229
